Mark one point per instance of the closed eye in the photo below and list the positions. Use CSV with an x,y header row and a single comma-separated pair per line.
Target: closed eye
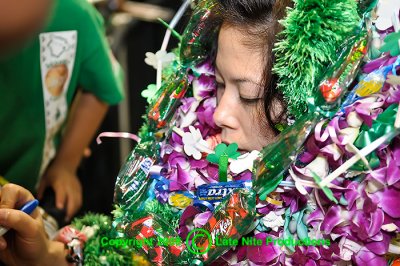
x,y
249,101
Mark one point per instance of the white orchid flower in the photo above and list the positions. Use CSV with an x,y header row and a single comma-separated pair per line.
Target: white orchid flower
x,y
244,162
193,143
161,55
334,150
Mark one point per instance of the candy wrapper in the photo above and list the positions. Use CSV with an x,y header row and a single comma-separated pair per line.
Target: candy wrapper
x,y
339,76
195,43
337,83
229,221
171,93
277,157
217,191
153,237
132,181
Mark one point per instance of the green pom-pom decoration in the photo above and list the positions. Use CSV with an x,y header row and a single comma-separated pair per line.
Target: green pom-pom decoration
x,y
94,253
314,30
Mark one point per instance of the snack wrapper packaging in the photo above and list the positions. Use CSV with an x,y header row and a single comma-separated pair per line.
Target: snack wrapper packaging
x,y
277,157
155,238
230,220
197,35
162,111
132,181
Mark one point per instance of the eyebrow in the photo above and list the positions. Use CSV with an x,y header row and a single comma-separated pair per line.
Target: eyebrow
x,y
238,80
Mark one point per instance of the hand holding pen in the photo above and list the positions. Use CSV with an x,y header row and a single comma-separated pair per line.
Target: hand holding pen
x,y
30,244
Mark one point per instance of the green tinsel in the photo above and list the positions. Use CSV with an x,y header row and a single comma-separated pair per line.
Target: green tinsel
x,y
168,214
94,253
313,31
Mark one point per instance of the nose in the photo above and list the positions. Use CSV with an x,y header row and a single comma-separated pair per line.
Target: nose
x,y
224,114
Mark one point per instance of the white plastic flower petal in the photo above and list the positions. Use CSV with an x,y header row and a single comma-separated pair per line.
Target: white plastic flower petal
x,y
189,117
348,248
384,12
243,162
334,150
149,93
350,133
354,120
393,80
273,221
161,55
151,59
319,166
193,143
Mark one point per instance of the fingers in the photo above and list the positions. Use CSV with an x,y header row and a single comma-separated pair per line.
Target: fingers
x,y
14,196
74,204
61,197
21,222
41,188
87,152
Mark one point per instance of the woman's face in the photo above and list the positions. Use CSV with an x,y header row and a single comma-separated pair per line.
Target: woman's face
x,y
238,73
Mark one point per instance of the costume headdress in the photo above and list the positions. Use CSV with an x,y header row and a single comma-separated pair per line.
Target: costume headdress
x,y
325,191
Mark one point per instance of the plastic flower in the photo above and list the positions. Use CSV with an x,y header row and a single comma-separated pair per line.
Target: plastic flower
x,y
348,248
221,156
149,93
165,58
272,221
193,143
244,162
187,113
391,44
179,179
386,8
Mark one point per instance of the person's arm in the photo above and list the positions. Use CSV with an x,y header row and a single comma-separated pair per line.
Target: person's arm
x,y
84,120
28,244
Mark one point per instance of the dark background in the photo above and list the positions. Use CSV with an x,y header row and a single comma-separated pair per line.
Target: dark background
x,y
98,172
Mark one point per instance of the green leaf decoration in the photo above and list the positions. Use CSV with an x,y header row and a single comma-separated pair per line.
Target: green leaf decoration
x,y
232,152
392,44
214,157
328,192
221,156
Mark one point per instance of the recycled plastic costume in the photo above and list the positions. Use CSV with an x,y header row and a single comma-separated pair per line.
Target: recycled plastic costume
x,y
327,191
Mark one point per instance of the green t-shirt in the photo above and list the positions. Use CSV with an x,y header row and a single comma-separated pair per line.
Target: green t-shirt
x,y
38,83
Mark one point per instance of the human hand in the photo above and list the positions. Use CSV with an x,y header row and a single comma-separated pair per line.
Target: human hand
x,y
27,243
66,186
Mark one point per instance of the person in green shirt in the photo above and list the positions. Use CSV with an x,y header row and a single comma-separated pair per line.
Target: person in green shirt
x,y
50,51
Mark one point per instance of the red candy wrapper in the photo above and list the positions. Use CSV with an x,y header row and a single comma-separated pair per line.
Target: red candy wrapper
x,y
230,221
156,239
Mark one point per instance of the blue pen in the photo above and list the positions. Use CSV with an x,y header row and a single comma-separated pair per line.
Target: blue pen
x,y
27,208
